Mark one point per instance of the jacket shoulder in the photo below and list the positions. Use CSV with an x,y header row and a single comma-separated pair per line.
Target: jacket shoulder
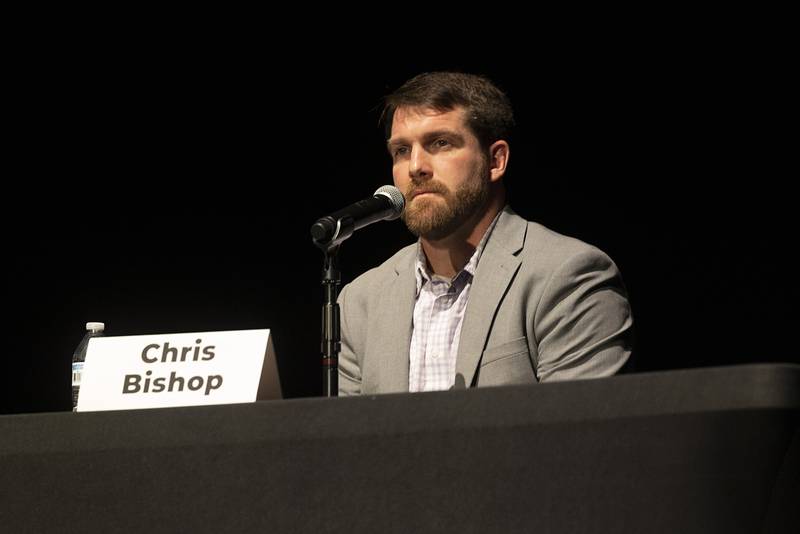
x,y
550,248
368,282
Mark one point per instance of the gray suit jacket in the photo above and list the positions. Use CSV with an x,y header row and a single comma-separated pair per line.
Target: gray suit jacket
x,y
542,307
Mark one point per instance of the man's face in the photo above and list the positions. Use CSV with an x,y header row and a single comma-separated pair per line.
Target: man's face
x,y
440,167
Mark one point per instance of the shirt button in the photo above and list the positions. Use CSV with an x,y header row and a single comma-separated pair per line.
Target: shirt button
x,y
436,355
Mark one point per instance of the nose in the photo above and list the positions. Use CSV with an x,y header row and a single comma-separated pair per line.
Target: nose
x,y
419,166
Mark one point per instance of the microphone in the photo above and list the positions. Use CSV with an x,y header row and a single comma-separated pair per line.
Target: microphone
x,y
386,204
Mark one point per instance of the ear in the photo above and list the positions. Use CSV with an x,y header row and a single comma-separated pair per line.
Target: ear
x,y
499,153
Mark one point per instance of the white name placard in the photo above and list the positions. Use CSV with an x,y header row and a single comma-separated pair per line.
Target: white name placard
x,y
189,369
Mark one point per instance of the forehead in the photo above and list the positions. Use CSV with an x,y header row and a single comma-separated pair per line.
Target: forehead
x,y
416,121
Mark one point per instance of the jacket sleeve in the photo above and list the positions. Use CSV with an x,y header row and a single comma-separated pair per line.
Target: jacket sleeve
x,y
583,323
349,368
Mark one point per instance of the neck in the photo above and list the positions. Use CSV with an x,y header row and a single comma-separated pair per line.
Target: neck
x,y
447,256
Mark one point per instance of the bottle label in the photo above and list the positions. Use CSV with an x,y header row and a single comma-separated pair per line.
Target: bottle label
x,y
77,369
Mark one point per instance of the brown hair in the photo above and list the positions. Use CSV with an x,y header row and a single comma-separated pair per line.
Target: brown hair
x,y
489,113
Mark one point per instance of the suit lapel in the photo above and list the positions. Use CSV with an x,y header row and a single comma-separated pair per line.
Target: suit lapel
x,y
496,269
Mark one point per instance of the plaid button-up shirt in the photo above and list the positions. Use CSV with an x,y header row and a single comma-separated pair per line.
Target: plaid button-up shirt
x,y
438,316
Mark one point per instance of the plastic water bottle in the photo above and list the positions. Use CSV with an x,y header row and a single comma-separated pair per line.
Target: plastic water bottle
x,y
79,356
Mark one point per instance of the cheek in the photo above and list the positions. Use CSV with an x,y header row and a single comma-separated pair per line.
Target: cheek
x,y
399,177
453,173
469,166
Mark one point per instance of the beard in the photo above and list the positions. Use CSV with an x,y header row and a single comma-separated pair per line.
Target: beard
x,y
436,218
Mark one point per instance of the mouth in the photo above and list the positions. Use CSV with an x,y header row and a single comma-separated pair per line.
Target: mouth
x,y
421,193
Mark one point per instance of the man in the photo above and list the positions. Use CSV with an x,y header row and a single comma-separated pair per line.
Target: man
x,y
484,297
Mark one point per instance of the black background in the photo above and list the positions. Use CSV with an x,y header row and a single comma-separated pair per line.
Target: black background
x,y
171,188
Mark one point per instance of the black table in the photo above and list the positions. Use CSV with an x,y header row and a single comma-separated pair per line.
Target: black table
x,y
701,450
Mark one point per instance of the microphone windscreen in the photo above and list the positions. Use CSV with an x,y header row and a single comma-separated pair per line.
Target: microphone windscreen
x,y
395,197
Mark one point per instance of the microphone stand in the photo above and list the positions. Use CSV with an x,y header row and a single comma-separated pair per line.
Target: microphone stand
x,y
331,332
328,233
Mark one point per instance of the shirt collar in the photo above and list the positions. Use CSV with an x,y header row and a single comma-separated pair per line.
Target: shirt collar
x,y
423,274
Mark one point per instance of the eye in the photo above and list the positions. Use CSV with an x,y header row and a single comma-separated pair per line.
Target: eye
x,y
401,150
441,143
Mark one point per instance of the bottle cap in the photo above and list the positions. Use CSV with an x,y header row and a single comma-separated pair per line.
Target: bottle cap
x,y
95,327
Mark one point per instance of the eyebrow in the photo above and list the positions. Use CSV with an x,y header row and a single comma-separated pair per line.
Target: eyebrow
x,y
430,136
